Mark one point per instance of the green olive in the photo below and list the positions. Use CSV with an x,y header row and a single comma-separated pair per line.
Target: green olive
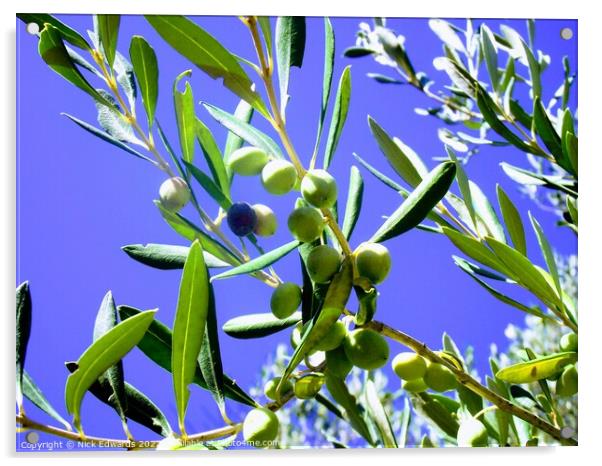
x,y
260,427
333,339
322,263
409,366
568,342
472,433
366,349
279,177
306,224
174,194
285,300
414,386
319,188
269,389
568,383
308,386
248,161
338,363
266,220
373,261
439,378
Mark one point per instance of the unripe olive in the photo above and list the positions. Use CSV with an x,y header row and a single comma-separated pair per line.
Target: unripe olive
x,y
308,386
409,366
174,194
568,383
568,342
334,337
439,378
414,386
278,176
266,220
260,427
306,224
373,261
322,263
248,161
366,349
242,219
338,363
319,188
269,389
285,300
472,433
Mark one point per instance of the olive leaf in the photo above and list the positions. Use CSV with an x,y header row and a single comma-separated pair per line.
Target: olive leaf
x,y
258,325
536,369
208,54
547,253
357,52
146,69
434,411
124,75
68,34
290,48
354,201
243,113
156,344
490,53
529,178
486,212
100,356
418,204
167,256
546,131
169,149
213,156
108,31
23,320
185,117
266,30
406,418
189,327
209,186
32,392
114,123
378,414
513,221
339,115
475,249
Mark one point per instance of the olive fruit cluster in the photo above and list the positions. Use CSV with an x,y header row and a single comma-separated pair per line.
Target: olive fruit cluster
x,y
174,194
260,427
244,219
419,374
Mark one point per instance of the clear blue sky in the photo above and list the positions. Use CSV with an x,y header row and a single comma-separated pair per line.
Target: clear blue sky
x,y
80,200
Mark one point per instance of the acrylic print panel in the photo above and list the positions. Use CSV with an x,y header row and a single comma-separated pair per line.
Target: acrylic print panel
x,y
296,232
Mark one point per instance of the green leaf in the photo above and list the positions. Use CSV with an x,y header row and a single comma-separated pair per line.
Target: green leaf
x,y
529,178
100,356
52,50
146,69
383,79
339,115
486,212
124,75
354,201
189,327
546,131
213,156
547,253
536,369
68,34
408,167
258,325
418,204
23,305
167,256
245,131
380,176
266,30
107,319
378,414
490,52
357,52
534,70
108,31
474,249
185,118
208,54
571,147
436,413
290,47
260,262
157,346
107,137
32,392
445,31
464,186
115,124
242,113
209,185
140,408
406,418
573,208
513,221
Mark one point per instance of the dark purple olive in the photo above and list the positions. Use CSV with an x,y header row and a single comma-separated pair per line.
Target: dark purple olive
x,y
242,219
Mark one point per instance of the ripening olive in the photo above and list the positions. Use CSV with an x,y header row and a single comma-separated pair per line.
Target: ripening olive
x,y
308,386
248,161
174,194
241,218
472,433
322,263
306,224
409,366
366,349
285,300
269,389
373,261
414,386
333,338
439,378
568,342
260,427
567,384
319,188
266,220
278,176
338,363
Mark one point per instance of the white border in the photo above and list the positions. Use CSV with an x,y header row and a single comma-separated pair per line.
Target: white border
x,y
590,75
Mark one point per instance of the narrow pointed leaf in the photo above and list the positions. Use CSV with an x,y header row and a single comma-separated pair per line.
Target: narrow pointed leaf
x,y
169,149
186,119
435,413
546,131
536,369
339,115
213,156
290,48
115,124
144,61
68,34
167,256
210,186
529,178
490,52
406,418
101,355
378,414
124,75
547,253
23,305
474,249
258,325
486,212
354,201
32,392
329,49
266,30
464,186
513,221
189,326
108,31
534,69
